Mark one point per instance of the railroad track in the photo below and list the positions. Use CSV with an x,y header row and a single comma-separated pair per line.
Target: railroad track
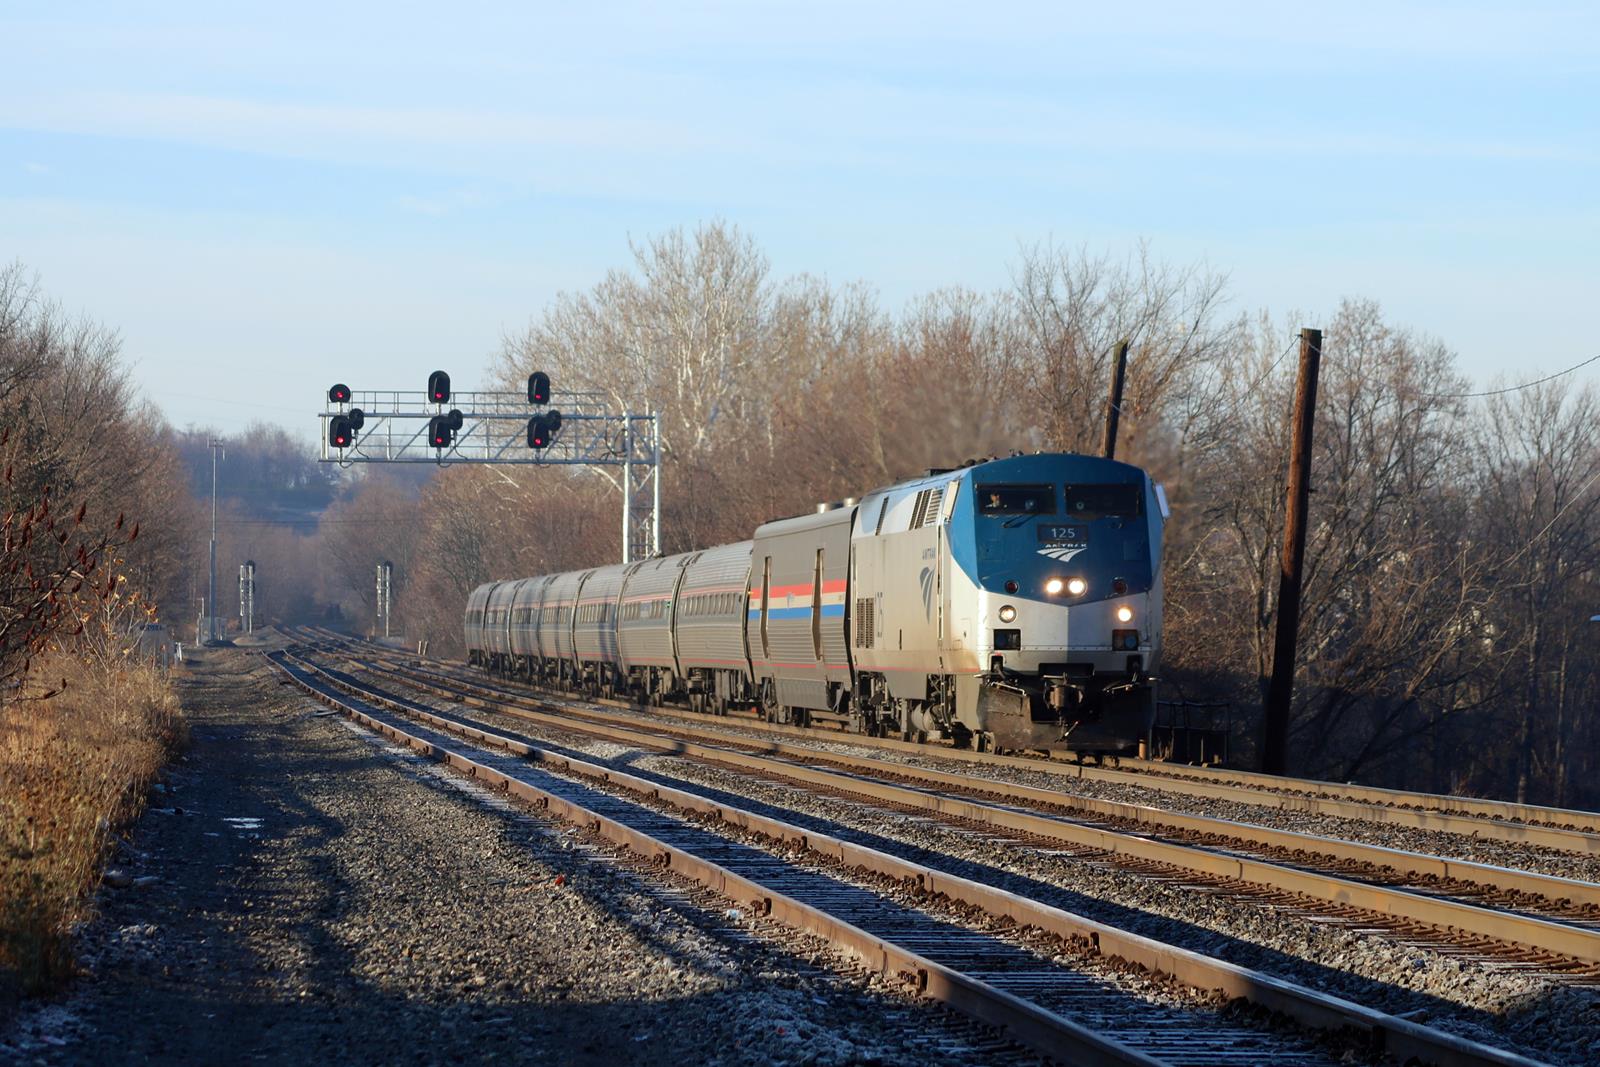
x,y
1556,828
824,885
1448,906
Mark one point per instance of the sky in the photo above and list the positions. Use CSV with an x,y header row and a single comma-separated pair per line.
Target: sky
x,y
267,198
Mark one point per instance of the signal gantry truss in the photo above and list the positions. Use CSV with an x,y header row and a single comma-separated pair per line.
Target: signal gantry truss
x,y
394,428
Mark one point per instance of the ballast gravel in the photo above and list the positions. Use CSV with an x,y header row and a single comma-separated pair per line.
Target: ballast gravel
x,y
315,900
1512,854
1507,1007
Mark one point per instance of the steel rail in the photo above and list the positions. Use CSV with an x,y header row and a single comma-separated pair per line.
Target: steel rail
x,y
1487,876
1027,1023
1544,935
1291,794
1485,827
1476,807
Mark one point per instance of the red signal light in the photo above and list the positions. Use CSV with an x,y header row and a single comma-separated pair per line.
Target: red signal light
x,y
339,394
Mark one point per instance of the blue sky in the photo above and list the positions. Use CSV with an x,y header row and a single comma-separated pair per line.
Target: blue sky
x,y
266,198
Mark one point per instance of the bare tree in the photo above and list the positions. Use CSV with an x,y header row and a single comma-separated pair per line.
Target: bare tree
x,y
1538,454
1073,308
1394,599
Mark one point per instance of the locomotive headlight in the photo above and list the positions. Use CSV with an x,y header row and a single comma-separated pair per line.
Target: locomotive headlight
x,y
1054,586
1124,614
1008,613
1077,586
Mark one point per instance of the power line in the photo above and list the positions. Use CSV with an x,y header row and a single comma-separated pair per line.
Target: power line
x,y
1536,538
1512,388
1241,399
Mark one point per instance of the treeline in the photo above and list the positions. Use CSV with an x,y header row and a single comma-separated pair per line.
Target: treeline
x,y
92,493
271,498
93,505
1454,544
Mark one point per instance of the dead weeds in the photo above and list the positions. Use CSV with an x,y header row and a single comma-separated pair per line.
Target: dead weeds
x,y
74,771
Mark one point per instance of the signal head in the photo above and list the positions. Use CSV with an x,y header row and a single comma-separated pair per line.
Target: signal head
x,y
539,388
340,435
439,431
439,387
538,432
357,418
339,394
454,420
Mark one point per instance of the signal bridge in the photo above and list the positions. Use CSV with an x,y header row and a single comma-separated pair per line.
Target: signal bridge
x,y
540,429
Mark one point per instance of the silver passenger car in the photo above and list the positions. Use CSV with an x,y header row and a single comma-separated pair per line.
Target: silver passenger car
x,y
713,602
594,627
477,602
799,575
524,625
496,617
556,610
644,626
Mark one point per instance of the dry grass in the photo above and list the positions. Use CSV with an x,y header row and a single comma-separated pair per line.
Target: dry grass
x,y
74,771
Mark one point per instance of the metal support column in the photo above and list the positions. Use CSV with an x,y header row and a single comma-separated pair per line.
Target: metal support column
x,y
247,596
655,484
211,597
627,491
384,597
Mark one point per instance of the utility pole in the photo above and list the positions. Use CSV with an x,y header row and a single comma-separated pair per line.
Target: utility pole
x,y
211,599
1119,372
1280,690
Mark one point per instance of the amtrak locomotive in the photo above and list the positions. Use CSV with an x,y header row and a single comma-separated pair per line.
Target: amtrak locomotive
x,y
1010,604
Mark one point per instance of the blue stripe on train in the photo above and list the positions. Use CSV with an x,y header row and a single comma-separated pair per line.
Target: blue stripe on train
x,y
829,611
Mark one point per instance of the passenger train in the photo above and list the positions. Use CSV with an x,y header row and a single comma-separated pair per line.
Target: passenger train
x,y
1009,604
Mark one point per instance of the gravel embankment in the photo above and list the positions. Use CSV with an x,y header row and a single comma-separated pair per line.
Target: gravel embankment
x,y
1502,1007
301,896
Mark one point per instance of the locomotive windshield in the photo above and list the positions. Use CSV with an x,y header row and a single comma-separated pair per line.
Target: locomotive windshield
x,y
1016,499
1105,501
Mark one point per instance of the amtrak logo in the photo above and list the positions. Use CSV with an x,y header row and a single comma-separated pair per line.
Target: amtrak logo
x,y
926,578
1063,554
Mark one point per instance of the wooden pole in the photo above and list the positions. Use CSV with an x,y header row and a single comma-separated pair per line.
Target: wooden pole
x,y
1119,372
1280,690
